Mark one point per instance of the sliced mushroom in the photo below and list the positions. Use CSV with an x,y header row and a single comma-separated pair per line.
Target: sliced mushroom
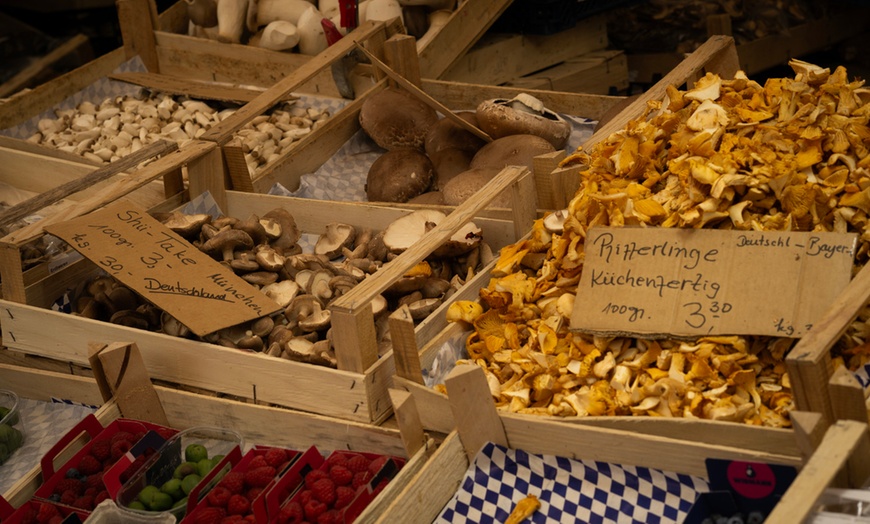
x,y
282,292
225,242
269,259
188,226
337,236
319,286
260,278
289,235
254,228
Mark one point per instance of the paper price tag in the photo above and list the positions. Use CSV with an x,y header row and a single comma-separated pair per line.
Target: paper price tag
x,y
689,282
129,244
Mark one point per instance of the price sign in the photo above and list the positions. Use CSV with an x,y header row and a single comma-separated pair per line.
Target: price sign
x,y
689,282
129,244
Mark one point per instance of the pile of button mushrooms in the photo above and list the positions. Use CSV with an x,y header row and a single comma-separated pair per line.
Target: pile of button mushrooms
x,y
120,125
265,252
790,155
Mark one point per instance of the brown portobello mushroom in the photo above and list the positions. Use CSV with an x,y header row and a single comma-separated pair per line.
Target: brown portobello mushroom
x,y
523,114
461,187
395,119
512,150
451,147
398,176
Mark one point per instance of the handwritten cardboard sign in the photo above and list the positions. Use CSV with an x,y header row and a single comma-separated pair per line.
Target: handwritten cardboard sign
x,y
165,269
689,282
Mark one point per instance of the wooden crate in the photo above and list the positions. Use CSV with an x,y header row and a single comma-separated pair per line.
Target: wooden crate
x,y
477,423
356,390
716,55
167,50
765,53
258,424
315,149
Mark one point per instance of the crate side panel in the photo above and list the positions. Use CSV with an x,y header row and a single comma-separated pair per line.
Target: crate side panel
x,y
198,364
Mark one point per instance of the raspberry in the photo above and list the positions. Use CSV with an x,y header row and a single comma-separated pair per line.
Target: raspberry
x,y
337,459
89,465
275,457
219,496
361,479
74,485
101,449
257,462
84,502
68,497
233,481
233,519
324,491
330,517
315,475
209,515
90,491
377,464
344,495
313,509
260,477
119,448
57,519
305,496
99,497
238,505
291,513
95,481
250,518
341,475
46,512
123,435
358,463
253,493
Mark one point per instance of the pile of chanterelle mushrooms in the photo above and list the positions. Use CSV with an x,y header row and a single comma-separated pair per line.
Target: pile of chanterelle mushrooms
x,y
792,154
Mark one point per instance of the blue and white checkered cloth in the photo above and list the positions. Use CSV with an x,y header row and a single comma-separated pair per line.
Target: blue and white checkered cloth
x,y
568,490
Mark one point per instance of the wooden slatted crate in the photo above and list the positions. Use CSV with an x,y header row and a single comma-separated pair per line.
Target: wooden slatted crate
x,y
842,449
258,424
717,55
356,390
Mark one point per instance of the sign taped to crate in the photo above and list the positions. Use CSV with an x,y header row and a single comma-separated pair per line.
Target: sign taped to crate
x,y
691,282
569,490
129,244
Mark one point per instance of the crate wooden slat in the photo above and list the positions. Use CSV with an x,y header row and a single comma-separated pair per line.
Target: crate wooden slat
x,y
499,58
843,450
810,367
598,72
